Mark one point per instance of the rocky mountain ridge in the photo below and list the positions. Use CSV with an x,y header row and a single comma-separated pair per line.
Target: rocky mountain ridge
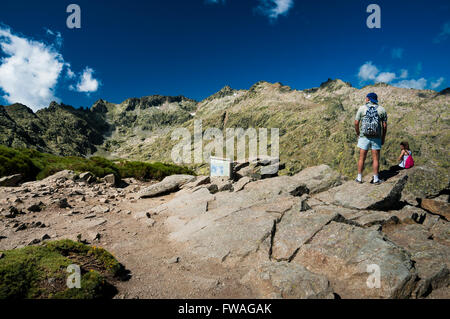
x,y
316,126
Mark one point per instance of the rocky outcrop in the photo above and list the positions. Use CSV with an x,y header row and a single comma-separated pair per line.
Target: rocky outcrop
x,y
319,178
219,226
310,235
240,184
167,185
111,180
88,177
436,207
277,186
440,232
345,254
61,176
288,281
307,236
221,184
366,196
432,259
297,228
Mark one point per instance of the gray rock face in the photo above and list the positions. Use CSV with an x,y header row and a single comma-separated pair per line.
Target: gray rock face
x,y
297,228
111,180
343,253
59,176
223,184
286,280
220,232
277,186
259,168
366,196
252,171
436,207
240,184
371,218
432,258
87,177
167,185
225,225
319,178
11,181
200,180
441,232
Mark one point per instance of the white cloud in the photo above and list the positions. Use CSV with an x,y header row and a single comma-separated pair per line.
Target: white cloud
x,y
437,83
419,84
385,77
445,32
87,83
30,70
368,71
274,8
70,73
397,53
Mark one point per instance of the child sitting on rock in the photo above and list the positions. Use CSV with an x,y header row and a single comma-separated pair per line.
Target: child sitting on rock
x,y
405,158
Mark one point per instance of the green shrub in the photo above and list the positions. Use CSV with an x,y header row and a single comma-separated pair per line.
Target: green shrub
x,y
36,165
146,171
65,247
14,162
25,272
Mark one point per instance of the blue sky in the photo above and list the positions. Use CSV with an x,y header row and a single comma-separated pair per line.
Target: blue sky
x,y
136,48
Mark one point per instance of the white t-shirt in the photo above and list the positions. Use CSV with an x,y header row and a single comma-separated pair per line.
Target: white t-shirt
x,y
403,162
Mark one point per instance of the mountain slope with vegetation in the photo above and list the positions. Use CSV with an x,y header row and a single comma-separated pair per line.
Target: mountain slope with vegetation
x,y
316,126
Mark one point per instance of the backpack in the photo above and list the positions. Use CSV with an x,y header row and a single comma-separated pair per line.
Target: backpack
x,y
409,161
370,126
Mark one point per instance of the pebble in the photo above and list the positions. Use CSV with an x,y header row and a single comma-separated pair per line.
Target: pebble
x,y
174,260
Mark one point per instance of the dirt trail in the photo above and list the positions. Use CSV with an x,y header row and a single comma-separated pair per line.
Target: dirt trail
x,y
159,268
150,257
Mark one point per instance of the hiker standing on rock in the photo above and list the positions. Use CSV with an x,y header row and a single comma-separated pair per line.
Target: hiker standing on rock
x,y
373,119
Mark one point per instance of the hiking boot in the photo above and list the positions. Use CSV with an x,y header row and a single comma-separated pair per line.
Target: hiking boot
x,y
358,181
377,182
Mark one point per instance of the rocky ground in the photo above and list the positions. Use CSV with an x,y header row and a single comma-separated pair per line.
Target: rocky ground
x,y
311,235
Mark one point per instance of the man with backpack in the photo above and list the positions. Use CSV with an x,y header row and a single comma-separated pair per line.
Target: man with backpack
x,y
373,119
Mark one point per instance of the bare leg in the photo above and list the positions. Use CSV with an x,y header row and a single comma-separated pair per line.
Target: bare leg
x,y
362,159
376,161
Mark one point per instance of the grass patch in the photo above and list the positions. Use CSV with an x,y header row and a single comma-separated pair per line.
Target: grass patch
x,y
36,165
40,272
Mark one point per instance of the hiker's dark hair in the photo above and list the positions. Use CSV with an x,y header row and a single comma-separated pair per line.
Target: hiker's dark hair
x,y
405,145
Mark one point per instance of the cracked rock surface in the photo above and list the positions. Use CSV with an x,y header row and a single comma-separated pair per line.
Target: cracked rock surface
x,y
311,235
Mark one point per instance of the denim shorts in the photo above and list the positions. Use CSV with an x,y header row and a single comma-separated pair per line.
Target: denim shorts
x,y
369,142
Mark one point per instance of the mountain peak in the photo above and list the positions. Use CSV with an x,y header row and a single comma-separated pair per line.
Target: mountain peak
x,y
99,106
55,105
225,91
334,84
19,107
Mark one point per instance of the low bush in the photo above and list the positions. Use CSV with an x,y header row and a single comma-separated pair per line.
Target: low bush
x,y
36,165
39,272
